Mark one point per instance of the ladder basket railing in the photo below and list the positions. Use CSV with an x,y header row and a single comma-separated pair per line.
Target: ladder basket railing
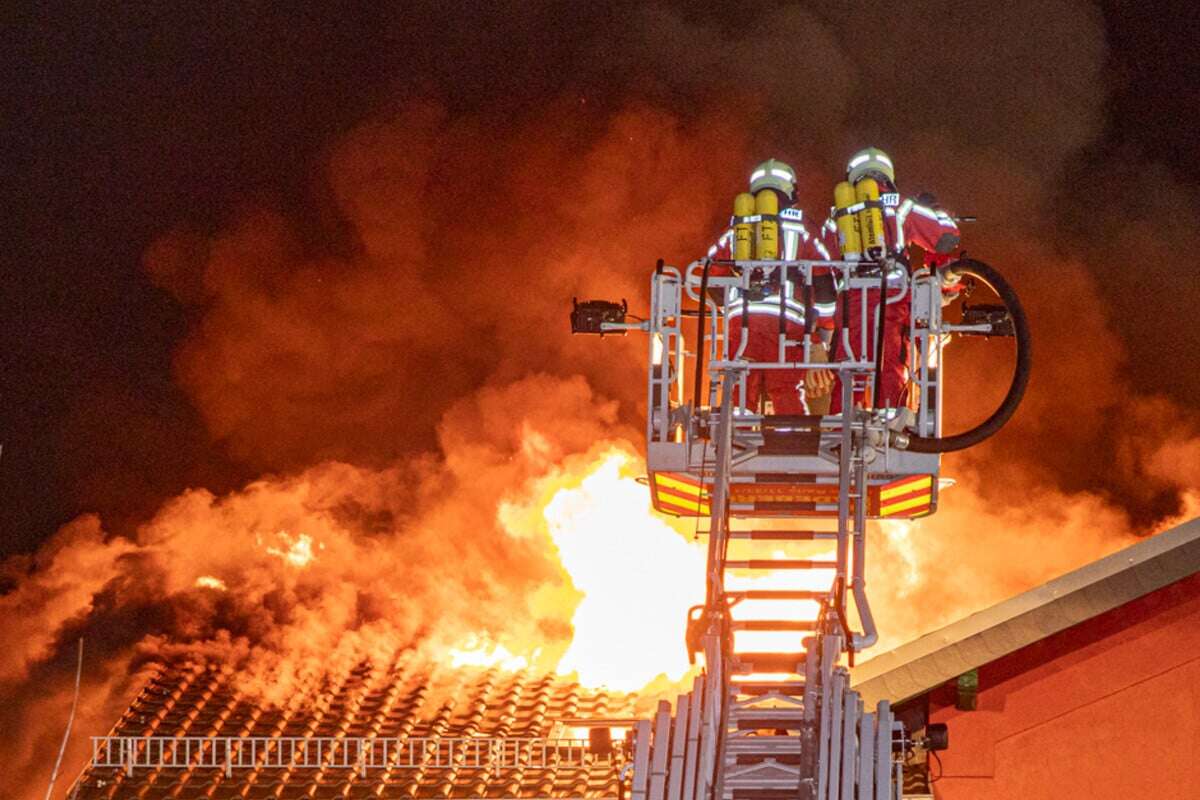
x,y
732,291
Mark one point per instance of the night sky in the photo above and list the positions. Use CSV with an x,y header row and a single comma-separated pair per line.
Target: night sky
x,y
123,122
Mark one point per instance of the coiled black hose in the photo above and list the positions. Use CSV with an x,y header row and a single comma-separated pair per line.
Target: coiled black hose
x,y
1020,380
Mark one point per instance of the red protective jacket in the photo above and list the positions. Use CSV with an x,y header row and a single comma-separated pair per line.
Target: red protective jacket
x,y
905,222
783,386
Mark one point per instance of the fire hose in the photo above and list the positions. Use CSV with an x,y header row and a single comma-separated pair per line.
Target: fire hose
x,y
1020,380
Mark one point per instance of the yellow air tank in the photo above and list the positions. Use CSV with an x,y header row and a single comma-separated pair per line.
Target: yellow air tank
x,y
870,219
849,239
743,229
766,204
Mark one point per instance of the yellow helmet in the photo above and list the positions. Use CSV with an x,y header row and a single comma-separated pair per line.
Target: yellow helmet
x,y
870,159
772,174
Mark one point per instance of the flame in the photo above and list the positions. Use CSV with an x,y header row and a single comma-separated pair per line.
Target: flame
x,y
902,545
638,577
478,650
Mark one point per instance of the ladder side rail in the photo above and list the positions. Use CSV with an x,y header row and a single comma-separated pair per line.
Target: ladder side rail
x,y
715,604
830,648
662,751
844,488
709,731
678,748
641,760
836,702
850,724
717,539
692,755
869,634
866,755
899,740
810,728
883,750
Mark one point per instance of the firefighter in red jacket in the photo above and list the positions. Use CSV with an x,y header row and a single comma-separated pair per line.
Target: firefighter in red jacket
x,y
906,221
784,387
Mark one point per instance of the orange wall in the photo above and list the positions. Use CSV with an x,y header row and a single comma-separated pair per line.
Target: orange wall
x,y
1106,710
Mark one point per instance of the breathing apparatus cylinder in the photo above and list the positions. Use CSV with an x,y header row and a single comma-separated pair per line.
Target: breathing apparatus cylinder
x,y
870,218
743,228
766,205
849,239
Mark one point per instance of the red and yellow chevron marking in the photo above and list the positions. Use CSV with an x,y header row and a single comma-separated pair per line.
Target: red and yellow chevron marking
x,y
678,494
907,497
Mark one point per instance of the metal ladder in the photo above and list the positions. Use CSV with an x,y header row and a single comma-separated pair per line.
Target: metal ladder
x,y
778,723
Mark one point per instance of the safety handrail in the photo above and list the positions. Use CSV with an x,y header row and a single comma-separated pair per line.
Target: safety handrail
x,y
672,347
330,752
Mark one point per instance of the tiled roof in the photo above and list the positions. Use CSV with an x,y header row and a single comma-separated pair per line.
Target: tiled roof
x,y
404,701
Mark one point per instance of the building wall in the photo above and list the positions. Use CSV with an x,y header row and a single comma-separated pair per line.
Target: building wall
x,y
1107,709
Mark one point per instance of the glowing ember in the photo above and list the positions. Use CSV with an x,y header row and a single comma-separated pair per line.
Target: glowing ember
x,y
210,582
297,551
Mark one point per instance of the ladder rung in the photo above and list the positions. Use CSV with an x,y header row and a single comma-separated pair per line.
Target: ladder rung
x,y
791,688
780,563
773,625
782,536
789,759
778,722
770,662
777,594
763,744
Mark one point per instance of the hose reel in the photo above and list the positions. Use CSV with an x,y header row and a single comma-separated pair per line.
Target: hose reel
x,y
1006,320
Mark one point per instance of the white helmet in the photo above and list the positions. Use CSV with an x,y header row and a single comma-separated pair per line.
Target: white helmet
x,y
772,174
870,159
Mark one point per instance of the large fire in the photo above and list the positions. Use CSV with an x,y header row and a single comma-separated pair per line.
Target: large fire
x,y
517,535
638,572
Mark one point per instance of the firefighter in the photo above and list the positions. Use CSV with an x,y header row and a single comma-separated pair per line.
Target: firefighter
x,y
905,221
772,186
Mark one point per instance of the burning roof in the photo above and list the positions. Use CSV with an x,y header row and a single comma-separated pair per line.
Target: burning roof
x,y
406,702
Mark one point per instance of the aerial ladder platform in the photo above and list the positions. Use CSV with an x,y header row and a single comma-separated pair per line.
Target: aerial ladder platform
x,y
773,715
